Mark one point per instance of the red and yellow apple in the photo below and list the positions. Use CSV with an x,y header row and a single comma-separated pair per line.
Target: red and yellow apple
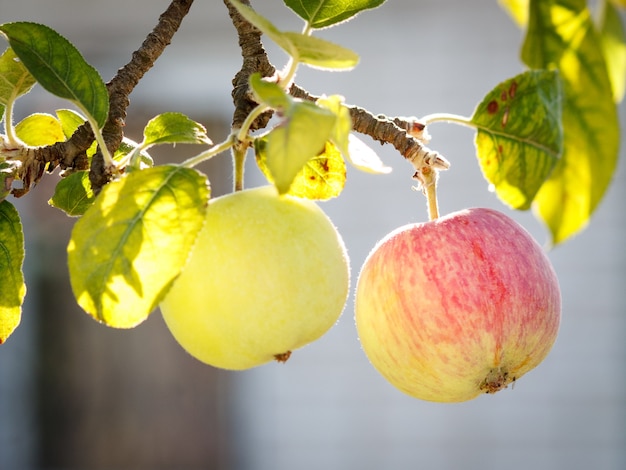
x,y
458,306
268,274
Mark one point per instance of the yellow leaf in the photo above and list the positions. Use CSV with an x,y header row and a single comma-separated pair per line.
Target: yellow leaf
x,y
11,259
40,129
134,240
517,9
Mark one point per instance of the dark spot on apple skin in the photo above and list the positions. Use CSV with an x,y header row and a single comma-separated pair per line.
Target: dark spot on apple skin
x,y
492,107
512,90
282,357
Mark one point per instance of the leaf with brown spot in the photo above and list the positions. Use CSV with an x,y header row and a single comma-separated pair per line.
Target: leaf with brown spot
x,y
561,34
321,178
519,135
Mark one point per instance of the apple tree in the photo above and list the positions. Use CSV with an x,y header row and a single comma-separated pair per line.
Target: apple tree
x,y
546,139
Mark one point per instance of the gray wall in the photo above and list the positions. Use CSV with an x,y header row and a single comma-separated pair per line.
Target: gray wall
x,y
327,407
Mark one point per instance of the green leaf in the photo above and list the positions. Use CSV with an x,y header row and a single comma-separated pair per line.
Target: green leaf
x,y
58,67
321,178
340,135
295,141
270,94
320,53
173,128
40,129
13,287
613,39
73,194
128,248
312,51
519,136
128,146
15,80
561,35
325,13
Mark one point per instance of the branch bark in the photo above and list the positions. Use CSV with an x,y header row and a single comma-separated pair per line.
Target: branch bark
x,y
254,60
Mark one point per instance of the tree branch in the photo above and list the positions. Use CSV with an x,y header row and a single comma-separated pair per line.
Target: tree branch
x,y
71,153
128,77
254,60
407,135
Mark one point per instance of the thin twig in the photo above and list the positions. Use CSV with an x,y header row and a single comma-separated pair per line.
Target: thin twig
x,y
128,77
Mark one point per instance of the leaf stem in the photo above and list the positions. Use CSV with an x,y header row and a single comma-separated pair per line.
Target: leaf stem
x,y
239,159
109,163
285,80
210,153
9,129
242,133
448,117
238,135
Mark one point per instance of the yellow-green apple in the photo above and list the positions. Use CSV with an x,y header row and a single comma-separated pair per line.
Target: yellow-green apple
x,y
268,274
458,306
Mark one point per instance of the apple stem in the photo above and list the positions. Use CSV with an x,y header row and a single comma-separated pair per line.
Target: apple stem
x,y
239,159
431,194
427,176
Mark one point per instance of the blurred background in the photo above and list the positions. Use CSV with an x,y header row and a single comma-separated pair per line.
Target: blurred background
x,y
78,395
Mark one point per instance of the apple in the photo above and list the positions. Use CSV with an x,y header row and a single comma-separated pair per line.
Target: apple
x,y
458,306
268,273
